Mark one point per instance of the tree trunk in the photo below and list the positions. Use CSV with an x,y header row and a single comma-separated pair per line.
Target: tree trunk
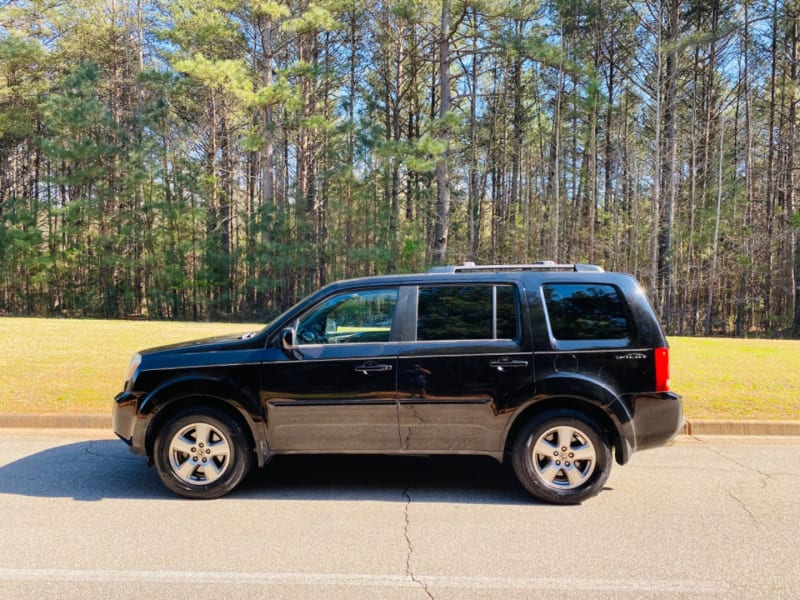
x,y
666,271
442,222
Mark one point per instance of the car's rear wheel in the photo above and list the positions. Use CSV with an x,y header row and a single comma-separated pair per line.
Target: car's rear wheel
x,y
562,457
202,453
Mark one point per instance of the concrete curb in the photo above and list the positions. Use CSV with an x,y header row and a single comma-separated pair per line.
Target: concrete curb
x,y
692,426
742,427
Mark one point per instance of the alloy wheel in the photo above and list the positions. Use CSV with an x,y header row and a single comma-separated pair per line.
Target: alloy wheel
x,y
199,454
564,458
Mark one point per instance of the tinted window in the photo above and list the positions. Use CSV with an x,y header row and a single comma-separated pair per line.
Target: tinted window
x,y
586,312
466,313
506,313
353,317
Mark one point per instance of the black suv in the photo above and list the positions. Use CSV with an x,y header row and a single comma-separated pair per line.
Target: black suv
x,y
554,366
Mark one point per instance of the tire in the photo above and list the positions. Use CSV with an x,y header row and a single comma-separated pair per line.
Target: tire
x,y
561,457
202,453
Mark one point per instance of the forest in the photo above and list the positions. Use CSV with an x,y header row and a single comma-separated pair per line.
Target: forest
x,y
219,159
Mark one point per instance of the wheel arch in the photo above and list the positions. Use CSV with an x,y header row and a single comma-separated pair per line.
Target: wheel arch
x,y
192,392
594,401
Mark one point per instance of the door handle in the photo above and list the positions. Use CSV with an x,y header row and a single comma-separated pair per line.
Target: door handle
x,y
507,363
373,367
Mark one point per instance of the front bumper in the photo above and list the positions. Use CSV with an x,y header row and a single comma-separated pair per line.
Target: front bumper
x,y
124,422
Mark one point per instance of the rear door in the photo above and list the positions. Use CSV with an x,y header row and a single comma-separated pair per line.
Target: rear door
x,y
468,364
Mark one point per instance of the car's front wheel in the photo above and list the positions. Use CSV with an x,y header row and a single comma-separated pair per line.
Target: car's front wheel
x,y
562,457
202,453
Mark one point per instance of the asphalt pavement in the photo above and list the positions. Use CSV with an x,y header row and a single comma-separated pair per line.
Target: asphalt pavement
x,y
706,517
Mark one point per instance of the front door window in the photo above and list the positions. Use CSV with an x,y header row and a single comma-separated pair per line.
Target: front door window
x,y
355,317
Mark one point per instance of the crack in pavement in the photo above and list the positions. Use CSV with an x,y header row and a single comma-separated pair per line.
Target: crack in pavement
x,y
410,546
743,505
762,476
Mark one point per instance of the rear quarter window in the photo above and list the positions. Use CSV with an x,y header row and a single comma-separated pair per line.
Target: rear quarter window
x,y
587,315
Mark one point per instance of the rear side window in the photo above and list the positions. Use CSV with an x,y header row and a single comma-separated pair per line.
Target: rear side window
x,y
466,313
581,312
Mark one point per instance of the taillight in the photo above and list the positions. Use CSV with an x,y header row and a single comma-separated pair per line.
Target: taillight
x,y
662,369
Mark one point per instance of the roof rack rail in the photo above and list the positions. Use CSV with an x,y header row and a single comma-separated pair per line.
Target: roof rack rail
x,y
544,265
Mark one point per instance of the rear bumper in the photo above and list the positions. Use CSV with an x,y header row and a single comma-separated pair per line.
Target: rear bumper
x,y
657,419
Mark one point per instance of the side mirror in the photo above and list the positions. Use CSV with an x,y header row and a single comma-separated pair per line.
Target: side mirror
x,y
287,339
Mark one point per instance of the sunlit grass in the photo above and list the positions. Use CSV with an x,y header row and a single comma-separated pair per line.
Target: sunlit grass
x,y
77,366
722,378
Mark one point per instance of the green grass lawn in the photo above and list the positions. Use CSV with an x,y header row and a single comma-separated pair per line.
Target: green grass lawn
x,y
77,366
721,378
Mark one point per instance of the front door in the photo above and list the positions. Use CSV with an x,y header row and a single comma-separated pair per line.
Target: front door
x,y
335,390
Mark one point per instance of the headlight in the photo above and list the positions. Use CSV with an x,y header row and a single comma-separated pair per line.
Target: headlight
x,y
130,375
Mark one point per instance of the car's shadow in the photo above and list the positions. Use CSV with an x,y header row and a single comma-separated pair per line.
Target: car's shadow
x,y
96,470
